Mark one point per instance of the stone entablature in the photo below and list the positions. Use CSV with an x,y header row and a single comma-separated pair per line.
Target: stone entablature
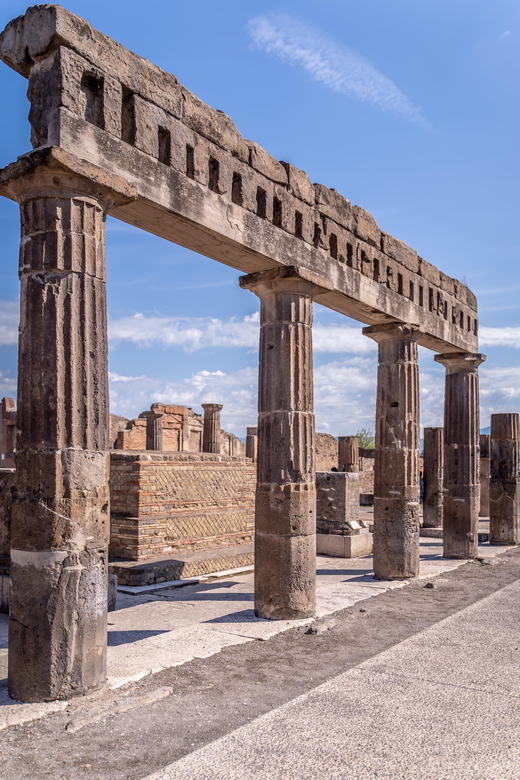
x,y
172,502
190,166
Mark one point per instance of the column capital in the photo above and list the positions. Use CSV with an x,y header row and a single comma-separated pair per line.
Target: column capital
x,y
252,431
460,361
212,407
388,331
52,171
287,279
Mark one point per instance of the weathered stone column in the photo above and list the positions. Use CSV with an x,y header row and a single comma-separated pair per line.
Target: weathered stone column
x,y
433,477
461,454
396,470
252,444
211,431
348,453
8,433
285,536
60,519
154,431
485,464
504,488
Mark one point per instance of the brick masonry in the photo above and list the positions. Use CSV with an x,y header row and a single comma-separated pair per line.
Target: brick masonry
x,y
173,502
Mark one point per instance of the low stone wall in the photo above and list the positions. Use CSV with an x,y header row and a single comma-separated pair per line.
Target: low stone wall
x,y
173,502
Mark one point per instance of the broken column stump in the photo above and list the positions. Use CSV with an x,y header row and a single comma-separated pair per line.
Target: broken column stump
x,y
211,431
461,454
433,477
60,513
396,472
504,487
285,515
348,453
252,444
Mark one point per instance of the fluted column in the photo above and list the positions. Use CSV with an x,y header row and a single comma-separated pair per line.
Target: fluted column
x,y
433,477
252,444
396,469
211,431
285,536
348,453
154,431
485,449
461,454
504,488
61,518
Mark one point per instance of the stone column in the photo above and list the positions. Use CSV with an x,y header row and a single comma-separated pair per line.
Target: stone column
x,y
461,454
60,518
504,488
285,515
348,453
154,431
433,477
396,470
252,444
8,433
211,432
485,446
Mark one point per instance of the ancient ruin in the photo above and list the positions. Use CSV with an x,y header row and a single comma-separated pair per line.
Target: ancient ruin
x,y
113,134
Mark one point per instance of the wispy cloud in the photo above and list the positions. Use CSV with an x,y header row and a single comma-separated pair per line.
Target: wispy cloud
x,y
505,34
500,337
330,63
9,316
194,333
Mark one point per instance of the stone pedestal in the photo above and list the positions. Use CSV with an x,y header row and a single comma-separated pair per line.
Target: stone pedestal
x,y
396,472
211,432
461,454
485,465
252,444
504,488
348,454
285,536
154,431
61,518
433,477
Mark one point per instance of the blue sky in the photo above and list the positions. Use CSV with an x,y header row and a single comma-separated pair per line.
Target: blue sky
x,y
410,110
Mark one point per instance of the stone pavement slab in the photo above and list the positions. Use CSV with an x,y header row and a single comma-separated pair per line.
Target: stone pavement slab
x,y
443,704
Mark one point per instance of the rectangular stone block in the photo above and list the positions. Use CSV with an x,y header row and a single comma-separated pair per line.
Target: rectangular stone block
x,y
340,546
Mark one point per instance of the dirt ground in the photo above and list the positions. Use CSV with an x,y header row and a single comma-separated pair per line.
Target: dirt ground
x,y
137,730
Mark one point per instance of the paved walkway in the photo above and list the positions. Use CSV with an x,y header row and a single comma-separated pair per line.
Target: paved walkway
x,y
167,627
442,704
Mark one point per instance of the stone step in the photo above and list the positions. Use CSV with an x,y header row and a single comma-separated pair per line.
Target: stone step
x,y
184,566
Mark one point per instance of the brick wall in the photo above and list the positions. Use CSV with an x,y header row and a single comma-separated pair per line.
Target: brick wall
x,y
161,503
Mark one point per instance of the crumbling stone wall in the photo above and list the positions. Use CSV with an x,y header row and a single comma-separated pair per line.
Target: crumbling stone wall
x,y
182,431
161,503
337,501
326,448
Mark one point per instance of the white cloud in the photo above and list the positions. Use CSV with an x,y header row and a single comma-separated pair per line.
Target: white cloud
x,y
194,333
9,316
330,63
505,34
499,337
7,385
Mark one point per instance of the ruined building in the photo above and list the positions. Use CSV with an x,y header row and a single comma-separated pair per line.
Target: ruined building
x,y
114,134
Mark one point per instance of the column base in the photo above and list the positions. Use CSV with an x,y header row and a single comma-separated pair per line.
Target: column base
x,y
58,624
285,577
460,527
396,538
